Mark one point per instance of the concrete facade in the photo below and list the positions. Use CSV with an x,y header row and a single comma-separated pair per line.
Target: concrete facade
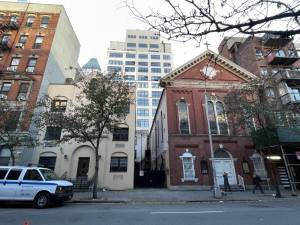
x,y
67,155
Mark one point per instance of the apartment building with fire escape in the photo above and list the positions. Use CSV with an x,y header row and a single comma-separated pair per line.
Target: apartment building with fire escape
x,y
38,46
275,59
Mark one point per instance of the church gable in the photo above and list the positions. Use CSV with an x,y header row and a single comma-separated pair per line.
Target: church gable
x,y
215,67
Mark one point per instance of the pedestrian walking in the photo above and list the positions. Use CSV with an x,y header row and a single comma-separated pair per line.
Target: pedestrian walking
x,y
226,182
256,182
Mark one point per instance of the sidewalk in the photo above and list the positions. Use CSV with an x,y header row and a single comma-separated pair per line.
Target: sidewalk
x,y
170,196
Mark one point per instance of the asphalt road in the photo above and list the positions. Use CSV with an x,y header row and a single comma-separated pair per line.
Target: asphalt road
x,y
227,213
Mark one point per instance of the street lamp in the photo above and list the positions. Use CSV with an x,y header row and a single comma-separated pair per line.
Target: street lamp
x,y
276,183
216,190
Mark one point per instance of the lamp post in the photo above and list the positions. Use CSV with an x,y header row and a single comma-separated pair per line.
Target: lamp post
x,y
216,190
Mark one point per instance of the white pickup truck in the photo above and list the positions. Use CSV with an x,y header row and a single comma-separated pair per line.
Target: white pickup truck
x,y
36,184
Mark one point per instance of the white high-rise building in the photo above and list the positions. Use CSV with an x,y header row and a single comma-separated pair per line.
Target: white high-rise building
x,y
142,59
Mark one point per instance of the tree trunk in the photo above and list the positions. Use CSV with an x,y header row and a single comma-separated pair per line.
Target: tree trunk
x,y
95,178
12,156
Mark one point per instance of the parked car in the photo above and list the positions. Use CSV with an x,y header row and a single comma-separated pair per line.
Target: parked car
x,y
40,185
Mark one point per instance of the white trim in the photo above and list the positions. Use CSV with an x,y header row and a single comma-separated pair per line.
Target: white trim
x,y
187,154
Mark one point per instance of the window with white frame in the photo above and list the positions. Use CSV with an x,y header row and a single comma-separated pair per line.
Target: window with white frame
x,y
183,116
259,166
188,166
217,118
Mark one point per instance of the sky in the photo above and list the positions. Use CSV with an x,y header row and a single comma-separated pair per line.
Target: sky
x,y
97,22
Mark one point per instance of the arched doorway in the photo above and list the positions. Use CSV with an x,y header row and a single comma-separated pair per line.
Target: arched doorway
x,y
224,163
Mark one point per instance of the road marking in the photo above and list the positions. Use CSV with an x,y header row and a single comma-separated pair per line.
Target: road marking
x,y
197,212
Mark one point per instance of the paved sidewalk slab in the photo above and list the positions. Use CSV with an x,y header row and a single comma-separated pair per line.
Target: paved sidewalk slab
x,y
170,196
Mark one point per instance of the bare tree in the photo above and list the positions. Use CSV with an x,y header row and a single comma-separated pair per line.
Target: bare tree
x,y
101,104
13,131
185,20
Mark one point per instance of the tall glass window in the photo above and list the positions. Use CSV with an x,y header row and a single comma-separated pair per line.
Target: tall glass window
x,y
184,126
212,118
221,118
217,118
188,166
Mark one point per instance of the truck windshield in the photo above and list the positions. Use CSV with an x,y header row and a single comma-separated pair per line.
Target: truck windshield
x,y
49,174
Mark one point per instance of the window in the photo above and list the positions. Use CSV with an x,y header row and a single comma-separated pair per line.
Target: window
x,y
183,116
129,77
217,118
32,175
141,77
143,56
155,78
156,94
31,65
131,45
5,88
167,57
157,64
116,55
143,37
47,162
263,72
129,56
143,84
143,94
188,166
142,102
15,61
155,70
155,56
142,112
167,64
120,134
115,62
53,133
118,164
154,37
23,89
59,105
155,85
153,112
30,20
155,102
5,40
143,63
45,22
204,166
258,52
142,45
23,39
245,166
38,42
221,118
129,69
280,53
167,70
131,36
143,69
14,19
154,45
3,173
270,92
130,63
142,123
14,174
114,69
259,166
13,121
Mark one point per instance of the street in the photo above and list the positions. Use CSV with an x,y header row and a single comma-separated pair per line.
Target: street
x,y
281,212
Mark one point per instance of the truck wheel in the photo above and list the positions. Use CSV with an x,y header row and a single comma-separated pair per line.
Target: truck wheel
x,y
42,200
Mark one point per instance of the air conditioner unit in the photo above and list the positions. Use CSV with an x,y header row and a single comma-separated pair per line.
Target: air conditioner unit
x,y
3,97
12,68
30,69
22,97
43,25
19,45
